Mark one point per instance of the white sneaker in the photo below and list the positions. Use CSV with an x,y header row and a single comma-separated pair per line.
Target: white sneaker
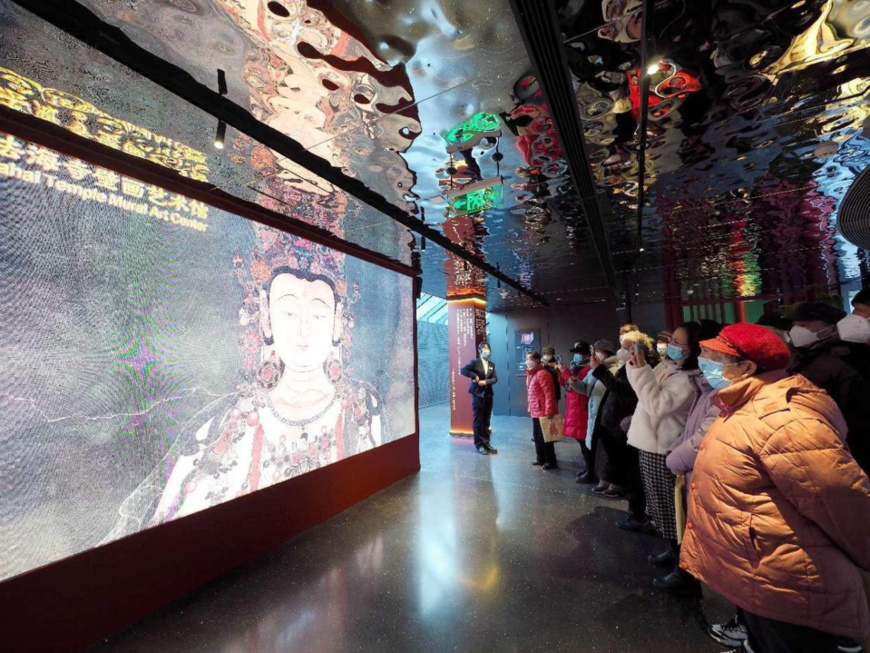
x,y
846,645
729,634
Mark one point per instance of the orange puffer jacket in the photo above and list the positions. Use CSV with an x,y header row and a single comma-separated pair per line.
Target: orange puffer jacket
x,y
779,514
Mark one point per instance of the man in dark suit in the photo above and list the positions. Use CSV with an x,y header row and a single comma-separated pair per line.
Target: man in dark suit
x,y
482,374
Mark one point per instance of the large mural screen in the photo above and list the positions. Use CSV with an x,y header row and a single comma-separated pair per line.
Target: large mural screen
x,y
161,356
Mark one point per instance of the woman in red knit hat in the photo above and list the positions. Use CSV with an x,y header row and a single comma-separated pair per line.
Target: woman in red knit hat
x,y
779,512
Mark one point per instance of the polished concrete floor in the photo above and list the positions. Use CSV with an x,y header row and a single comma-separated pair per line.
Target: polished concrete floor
x,y
474,553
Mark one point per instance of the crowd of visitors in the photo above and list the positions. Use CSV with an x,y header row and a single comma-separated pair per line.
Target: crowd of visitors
x,y
746,448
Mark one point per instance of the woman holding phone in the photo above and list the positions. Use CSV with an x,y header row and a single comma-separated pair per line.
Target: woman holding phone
x,y
665,396
621,473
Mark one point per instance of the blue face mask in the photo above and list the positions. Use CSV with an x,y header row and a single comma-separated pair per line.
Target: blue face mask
x,y
577,359
712,371
675,353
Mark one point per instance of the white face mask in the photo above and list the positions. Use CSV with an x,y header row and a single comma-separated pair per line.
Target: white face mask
x,y
546,358
854,328
600,355
530,365
623,355
802,337
662,349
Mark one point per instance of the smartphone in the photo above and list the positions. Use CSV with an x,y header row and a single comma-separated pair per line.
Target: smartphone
x,y
559,359
638,350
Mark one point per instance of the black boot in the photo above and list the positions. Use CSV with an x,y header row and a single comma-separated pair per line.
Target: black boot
x,y
663,559
679,583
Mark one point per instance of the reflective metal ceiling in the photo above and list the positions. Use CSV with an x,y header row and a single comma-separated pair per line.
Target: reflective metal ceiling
x,y
756,128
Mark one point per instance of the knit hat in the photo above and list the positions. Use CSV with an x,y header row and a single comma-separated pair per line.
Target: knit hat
x,y
751,342
605,346
811,311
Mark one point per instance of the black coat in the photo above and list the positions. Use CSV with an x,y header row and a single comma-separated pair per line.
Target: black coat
x,y
554,372
620,400
474,370
842,369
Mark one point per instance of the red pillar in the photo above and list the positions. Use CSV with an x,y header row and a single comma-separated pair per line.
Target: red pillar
x,y
466,320
466,329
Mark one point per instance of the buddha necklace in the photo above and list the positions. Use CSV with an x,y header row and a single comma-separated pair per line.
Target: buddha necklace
x,y
303,422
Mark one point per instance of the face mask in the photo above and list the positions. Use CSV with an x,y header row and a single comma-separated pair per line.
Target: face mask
x,y
577,359
485,354
546,358
530,365
675,353
854,328
600,355
712,371
623,356
662,349
802,337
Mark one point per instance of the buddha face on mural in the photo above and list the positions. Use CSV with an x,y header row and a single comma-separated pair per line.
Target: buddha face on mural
x,y
302,315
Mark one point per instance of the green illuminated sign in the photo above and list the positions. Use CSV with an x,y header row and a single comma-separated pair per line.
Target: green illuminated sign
x,y
478,200
470,132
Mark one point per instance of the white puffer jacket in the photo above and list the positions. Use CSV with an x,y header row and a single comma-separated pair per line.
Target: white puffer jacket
x,y
665,395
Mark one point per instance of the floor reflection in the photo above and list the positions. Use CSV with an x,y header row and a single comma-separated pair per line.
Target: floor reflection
x,y
473,553
448,534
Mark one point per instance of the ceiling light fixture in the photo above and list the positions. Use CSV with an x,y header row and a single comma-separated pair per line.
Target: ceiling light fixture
x,y
423,220
220,135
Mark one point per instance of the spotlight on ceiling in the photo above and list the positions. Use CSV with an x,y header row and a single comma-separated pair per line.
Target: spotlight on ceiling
x,y
220,135
825,150
654,65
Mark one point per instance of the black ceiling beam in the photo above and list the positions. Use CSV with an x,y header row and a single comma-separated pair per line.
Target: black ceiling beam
x,y
646,22
539,26
82,24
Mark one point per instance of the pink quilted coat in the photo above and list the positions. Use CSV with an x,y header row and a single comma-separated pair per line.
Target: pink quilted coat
x,y
779,512
542,392
576,415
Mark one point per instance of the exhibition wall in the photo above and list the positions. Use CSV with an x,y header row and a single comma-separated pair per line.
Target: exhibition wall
x,y
432,349
183,389
558,327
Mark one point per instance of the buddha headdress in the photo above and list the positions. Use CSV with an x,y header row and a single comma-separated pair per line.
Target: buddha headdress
x,y
276,252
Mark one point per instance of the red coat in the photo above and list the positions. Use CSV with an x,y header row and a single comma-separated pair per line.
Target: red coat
x,y
542,392
576,415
